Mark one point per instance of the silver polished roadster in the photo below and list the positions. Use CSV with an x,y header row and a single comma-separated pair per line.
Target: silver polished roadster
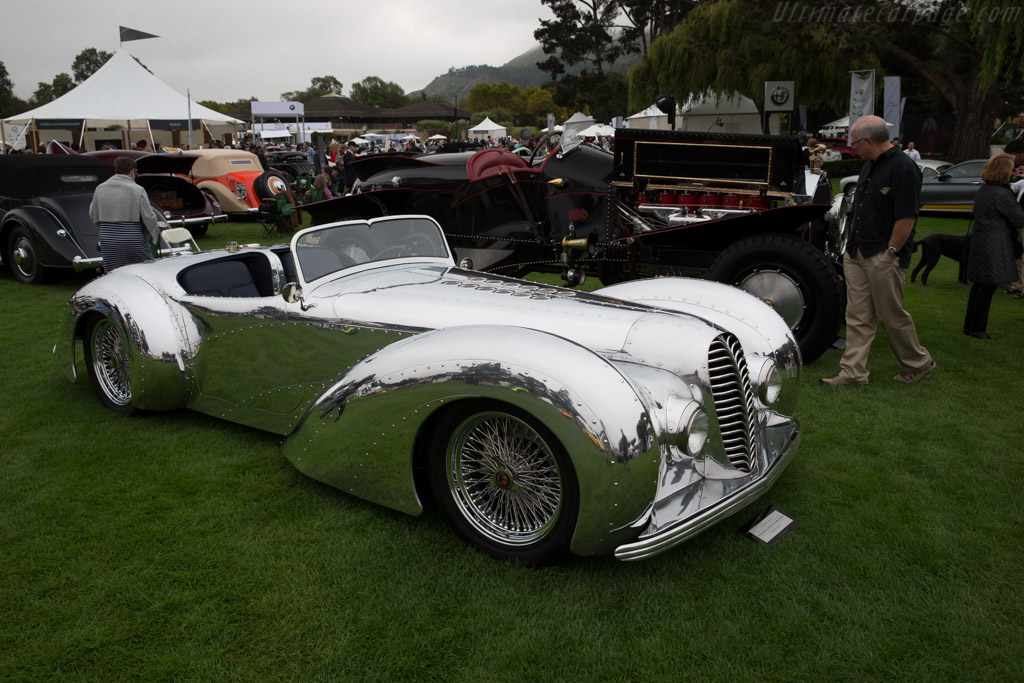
x,y
541,420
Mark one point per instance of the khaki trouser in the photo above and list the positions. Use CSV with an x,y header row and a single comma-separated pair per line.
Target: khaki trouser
x,y
874,294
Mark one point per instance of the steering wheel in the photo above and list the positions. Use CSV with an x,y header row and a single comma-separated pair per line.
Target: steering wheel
x,y
392,252
540,146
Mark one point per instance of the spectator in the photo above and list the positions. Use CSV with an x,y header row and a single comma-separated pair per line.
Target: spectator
x,y
1015,148
997,218
321,189
121,210
877,256
348,172
911,152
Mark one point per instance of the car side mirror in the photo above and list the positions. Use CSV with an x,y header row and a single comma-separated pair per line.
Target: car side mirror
x,y
292,294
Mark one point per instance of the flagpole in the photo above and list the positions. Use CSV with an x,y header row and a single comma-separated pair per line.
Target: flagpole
x,y
188,96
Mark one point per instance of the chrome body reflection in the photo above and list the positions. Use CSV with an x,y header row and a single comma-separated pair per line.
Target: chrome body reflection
x,y
379,336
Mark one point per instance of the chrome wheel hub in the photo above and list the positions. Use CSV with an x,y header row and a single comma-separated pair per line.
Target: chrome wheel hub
x,y
779,291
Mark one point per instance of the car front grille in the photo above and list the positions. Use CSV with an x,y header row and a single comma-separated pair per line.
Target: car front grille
x,y
734,399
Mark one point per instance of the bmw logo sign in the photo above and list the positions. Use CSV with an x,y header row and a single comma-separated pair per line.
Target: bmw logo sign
x,y
292,107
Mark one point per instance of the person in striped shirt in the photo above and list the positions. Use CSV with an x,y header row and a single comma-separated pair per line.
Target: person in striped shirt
x,y
127,221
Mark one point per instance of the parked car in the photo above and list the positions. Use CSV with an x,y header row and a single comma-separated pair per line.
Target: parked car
x,y
291,165
952,190
840,146
740,209
930,168
542,420
180,202
44,214
236,179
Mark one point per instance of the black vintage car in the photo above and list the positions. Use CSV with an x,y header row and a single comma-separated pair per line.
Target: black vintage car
x,y
739,209
292,165
44,211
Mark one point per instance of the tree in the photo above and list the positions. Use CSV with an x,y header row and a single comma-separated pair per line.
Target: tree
x,y
318,87
87,62
376,91
580,32
648,19
9,103
968,50
48,92
329,85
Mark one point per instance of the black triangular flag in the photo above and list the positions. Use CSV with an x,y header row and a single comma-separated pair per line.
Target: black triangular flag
x,y
131,34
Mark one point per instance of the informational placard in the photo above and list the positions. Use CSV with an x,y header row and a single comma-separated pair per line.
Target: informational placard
x,y
771,526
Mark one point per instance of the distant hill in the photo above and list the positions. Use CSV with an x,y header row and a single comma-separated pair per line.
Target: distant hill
x,y
521,71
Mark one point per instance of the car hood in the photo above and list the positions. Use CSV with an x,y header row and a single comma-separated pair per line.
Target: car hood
x,y
430,297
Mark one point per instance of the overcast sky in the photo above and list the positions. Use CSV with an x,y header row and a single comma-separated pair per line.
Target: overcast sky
x,y
228,50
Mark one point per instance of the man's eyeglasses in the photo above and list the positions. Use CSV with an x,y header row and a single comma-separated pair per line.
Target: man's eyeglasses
x,y
858,141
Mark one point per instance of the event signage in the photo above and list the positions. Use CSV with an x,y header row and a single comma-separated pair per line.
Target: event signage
x,y
278,109
172,124
862,96
778,95
58,124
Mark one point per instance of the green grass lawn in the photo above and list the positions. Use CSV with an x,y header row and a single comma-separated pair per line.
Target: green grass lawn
x,y
176,546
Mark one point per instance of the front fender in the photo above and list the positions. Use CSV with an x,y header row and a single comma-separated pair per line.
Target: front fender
x,y
359,436
159,350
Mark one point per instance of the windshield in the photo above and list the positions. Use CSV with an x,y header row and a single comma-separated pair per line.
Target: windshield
x,y
332,248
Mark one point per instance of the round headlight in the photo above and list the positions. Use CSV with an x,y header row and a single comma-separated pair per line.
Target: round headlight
x,y
691,428
697,432
167,214
769,382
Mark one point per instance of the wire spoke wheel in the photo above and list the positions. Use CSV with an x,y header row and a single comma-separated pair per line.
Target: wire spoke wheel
x,y
504,478
109,365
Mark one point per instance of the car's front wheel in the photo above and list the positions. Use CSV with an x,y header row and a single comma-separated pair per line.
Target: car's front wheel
x,y
22,257
108,357
505,484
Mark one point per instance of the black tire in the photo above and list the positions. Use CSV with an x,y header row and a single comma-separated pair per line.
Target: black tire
x,y
23,259
108,358
199,230
270,184
504,483
794,278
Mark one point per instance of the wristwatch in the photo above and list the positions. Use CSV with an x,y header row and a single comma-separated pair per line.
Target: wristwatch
x,y
891,251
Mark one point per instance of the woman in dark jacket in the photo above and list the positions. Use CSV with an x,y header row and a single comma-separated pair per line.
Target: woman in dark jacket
x,y
997,216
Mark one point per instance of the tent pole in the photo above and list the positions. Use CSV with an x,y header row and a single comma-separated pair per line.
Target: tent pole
x,y
83,139
35,137
152,142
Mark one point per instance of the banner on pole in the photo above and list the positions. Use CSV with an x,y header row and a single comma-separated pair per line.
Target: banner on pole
x,y
891,107
862,96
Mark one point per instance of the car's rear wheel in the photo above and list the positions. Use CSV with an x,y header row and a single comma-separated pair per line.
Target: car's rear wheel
x,y
108,358
505,484
22,257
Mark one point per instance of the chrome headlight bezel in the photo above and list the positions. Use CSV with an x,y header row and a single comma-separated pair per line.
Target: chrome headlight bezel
x,y
689,426
769,382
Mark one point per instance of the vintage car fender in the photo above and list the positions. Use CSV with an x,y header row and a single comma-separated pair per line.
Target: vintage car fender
x,y
360,436
54,245
152,325
759,328
226,196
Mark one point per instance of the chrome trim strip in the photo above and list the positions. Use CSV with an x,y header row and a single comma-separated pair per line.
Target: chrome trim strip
x,y
673,536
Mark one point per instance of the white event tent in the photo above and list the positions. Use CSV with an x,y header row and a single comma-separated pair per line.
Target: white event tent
x,y
124,94
487,129
732,114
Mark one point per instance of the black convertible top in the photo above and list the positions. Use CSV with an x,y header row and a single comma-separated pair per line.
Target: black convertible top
x,y
33,175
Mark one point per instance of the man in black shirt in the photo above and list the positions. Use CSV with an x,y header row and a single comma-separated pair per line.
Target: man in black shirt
x,y
877,257
348,172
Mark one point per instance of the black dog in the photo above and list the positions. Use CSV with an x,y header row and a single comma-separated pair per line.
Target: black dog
x,y
937,245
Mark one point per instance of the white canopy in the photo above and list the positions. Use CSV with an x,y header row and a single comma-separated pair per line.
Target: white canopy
x,y
438,137
122,92
597,130
703,113
577,122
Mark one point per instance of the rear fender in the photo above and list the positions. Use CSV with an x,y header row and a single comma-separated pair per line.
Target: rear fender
x,y
53,243
359,436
